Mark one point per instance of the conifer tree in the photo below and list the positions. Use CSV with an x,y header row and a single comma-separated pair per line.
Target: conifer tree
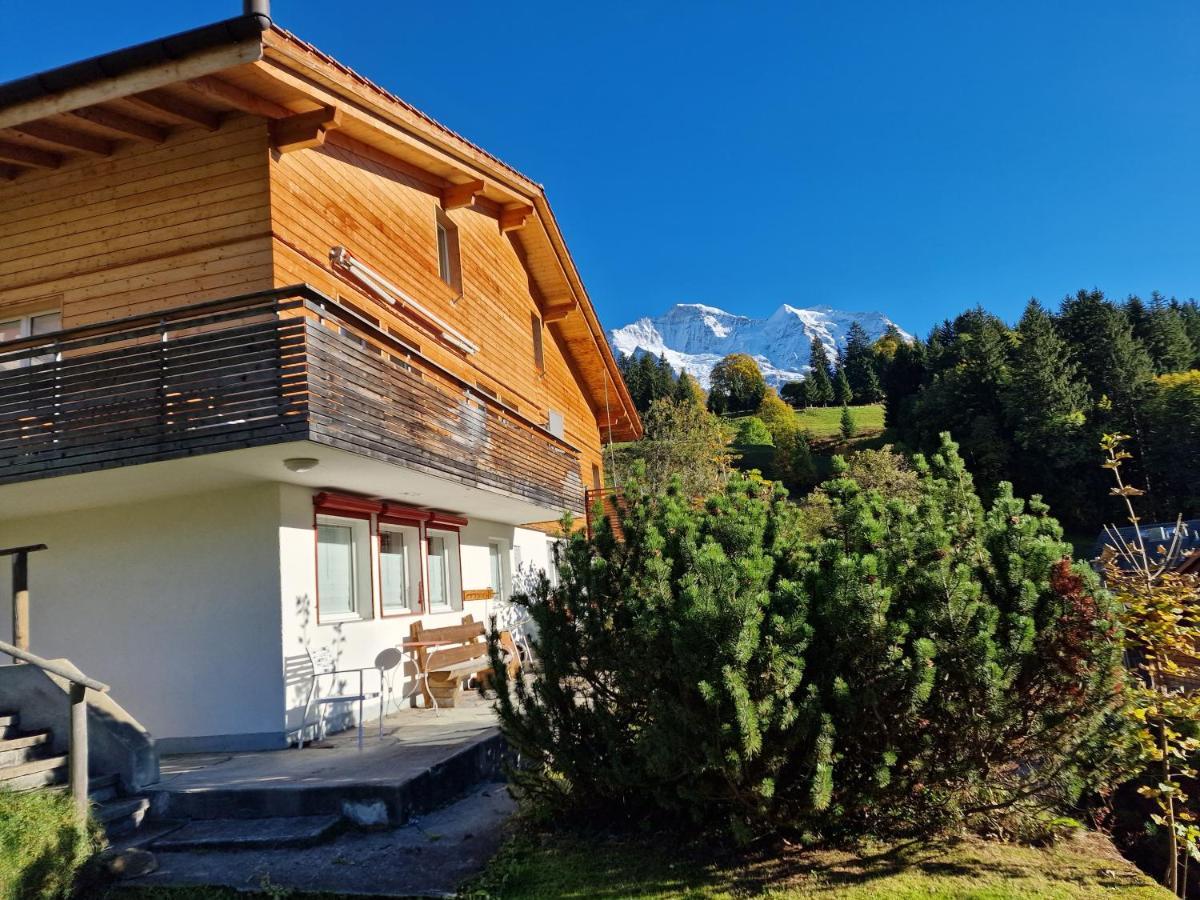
x,y
820,380
847,426
688,390
860,365
1045,406
1167,339
842,393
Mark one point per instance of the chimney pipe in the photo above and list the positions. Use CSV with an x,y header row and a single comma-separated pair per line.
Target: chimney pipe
x,y
256,8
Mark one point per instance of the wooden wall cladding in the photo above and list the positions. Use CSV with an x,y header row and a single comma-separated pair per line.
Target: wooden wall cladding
x,y
343,194
262,370
151,227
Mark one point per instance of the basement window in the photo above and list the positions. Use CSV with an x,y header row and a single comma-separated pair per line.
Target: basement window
x,y
449,268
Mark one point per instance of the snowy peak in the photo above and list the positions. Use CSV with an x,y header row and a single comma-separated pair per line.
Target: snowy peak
x,y
694,337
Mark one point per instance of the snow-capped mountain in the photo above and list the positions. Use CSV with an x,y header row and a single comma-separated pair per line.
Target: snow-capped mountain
x,y
694,337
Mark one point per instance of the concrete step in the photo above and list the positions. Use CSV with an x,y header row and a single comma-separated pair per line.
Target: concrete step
x,y
22,749
122,815
9,722
34,774
103,788
248,834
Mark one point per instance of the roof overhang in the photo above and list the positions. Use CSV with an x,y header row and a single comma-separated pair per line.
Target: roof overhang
x,y
249,65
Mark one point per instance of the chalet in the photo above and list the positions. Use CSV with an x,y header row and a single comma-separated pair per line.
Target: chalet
x,y
285,367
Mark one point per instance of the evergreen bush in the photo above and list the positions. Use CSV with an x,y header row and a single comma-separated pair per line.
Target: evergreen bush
x,y
912,663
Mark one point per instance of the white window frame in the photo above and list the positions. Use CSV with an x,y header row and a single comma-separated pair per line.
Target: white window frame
x,y
25,330
453,572
411,537
503,591
362,601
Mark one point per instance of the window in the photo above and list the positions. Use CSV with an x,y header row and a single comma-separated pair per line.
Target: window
x,y
539,359
14,327
498,569
343,568
399,584
447,250
442,553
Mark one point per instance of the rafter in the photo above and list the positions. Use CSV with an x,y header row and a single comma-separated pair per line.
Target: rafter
x,y
176,109
239,98
304,130
514,216
458,195
24,155
8,173
558,311
119,122
66,138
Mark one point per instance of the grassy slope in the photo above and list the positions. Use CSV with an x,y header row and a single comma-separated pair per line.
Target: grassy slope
x,y
826,421
575,867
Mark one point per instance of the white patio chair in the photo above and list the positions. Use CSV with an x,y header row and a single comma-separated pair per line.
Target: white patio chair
x,y
324,665
386,661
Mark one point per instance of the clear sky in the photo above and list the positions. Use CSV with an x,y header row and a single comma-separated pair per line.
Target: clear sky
x,y
912,157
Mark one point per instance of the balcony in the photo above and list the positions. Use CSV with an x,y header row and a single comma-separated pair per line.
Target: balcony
x,y
265,368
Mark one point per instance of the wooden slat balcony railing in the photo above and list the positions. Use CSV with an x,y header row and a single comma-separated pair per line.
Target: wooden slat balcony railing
x,y
273,366
608,503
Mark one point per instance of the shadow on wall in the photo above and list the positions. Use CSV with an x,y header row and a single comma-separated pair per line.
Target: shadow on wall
x,y
298,675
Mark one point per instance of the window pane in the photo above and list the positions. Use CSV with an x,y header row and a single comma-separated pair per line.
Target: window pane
x,y
335,568
10,330
45,323
439,591
497,571
393,570
443,240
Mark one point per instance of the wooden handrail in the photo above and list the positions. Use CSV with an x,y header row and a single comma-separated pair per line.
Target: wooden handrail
x,y
77,748
52,667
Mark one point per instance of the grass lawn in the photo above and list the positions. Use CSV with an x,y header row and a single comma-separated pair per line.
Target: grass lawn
x,y
563,866
826,421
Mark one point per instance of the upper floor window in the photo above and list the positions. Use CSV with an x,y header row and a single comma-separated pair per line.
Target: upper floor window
x,y
15,327
447,249
539,356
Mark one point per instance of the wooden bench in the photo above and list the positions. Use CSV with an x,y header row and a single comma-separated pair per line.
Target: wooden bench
x,y
464,654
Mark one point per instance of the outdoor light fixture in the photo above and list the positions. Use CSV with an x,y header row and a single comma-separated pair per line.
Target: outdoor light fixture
x,y
301,463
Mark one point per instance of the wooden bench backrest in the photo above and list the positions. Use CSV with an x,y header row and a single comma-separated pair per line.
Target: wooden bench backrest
x,y
468,631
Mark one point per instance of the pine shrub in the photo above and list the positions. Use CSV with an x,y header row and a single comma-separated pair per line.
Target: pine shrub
x,y
917,662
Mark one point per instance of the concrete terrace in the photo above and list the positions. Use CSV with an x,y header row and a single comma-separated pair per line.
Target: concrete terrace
x,y
423,760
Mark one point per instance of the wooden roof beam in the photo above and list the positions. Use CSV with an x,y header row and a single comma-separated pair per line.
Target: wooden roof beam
x,y
8,173
556,312
66,138
24,155
457,195
125,125
239,98
514,216
179,111
304,130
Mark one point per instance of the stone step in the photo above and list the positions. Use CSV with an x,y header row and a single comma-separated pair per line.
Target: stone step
x,y
34,774
9,722
22,749
122,815
248,834
101,788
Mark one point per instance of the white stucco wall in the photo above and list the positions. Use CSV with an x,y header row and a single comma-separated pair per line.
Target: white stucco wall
x,y
356,643
174,603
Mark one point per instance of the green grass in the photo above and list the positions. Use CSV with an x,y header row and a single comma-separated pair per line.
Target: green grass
x,y
826,421
566,866
42,851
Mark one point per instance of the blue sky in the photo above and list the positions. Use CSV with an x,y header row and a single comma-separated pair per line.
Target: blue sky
x,y
915,158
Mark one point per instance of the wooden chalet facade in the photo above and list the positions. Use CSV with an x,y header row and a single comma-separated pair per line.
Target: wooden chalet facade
x,y
237,278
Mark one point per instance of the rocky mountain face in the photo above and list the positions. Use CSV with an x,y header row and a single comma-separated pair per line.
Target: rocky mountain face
x,y
694,338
